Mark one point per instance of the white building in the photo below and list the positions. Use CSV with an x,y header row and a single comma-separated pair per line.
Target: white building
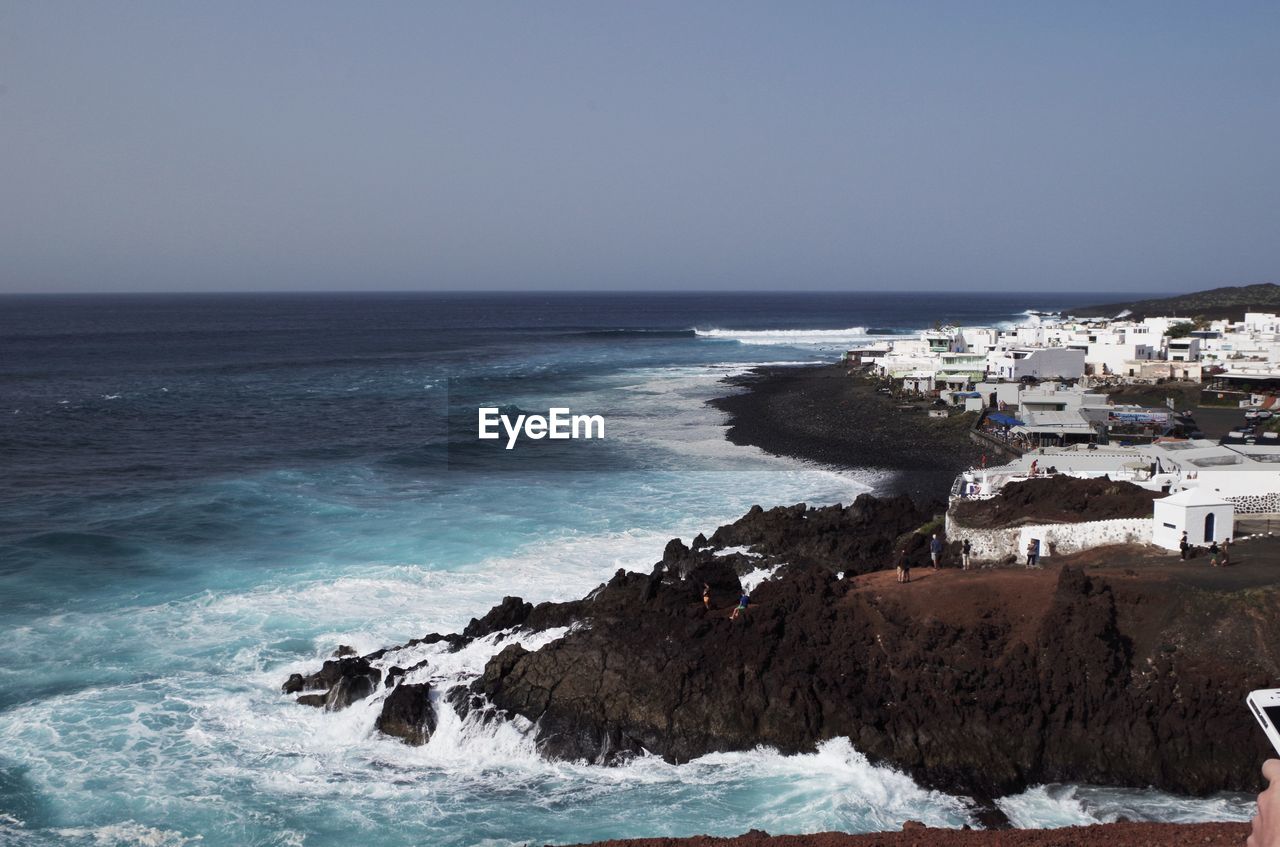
x,y
1038,362
1183,349
1204,517
1245,475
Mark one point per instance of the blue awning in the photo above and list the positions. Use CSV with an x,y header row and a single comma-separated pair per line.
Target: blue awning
x,y
1003,419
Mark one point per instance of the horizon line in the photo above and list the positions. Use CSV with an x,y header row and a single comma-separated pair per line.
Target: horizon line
x,y
580,291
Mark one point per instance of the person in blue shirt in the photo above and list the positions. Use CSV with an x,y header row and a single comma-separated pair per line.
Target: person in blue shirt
x,y
743,602
935,550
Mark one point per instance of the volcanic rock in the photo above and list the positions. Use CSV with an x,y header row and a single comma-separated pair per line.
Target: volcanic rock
x,y
981,684
861,537
407,714
1057,499
346,680
511,612
1128,670
1099,835
349,689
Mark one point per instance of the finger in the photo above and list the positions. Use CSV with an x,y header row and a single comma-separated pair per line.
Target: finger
x,y
1271,770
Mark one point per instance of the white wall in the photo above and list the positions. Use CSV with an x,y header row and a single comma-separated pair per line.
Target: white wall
x,y
1059,539
1234,481
1041,363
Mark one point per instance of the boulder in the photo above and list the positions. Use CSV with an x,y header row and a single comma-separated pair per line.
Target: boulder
x,y
511,612
349,689
407,714
345,680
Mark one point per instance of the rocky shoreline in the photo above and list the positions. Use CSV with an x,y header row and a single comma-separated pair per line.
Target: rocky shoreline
x,y
822,414
1101,835
1115,667
1111,670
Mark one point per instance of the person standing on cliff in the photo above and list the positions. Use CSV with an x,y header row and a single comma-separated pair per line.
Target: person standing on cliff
x,y
904,567
964,555
935,550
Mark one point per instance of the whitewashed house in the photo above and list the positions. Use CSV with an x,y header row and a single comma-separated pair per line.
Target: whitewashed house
x,y
1037,362
1202,515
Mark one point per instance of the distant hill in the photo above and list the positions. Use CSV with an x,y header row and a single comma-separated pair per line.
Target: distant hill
x,y
1217,303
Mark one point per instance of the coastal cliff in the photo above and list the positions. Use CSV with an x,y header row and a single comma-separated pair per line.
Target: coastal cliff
x,y
1117,668
975,683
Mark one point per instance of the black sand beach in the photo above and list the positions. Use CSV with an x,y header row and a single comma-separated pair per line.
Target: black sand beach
x,y
824,415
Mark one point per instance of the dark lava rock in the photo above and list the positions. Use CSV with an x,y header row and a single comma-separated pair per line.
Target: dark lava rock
x,y
823,415
859,538
349,689
977,684
1056,499
346,680
453,639
316,700
978,702
396,673
407,714
344,650
511,612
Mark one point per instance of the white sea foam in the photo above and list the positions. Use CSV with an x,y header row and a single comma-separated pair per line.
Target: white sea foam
x,y
752,580
820,338
1049,806
126,834
739,551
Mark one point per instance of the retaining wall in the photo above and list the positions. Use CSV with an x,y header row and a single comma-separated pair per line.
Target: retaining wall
x,y
1255,504
1056,539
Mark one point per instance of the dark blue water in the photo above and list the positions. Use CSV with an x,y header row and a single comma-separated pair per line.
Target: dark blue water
x,y
203,494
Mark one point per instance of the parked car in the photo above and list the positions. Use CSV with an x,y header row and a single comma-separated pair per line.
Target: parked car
x,y
1264,415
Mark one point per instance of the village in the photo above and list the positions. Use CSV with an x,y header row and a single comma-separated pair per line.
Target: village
x,y
1184,409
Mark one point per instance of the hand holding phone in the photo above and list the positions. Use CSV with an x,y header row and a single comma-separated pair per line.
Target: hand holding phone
x,y
1265,826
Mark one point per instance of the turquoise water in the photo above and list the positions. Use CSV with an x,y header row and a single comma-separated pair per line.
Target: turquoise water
x,y
204,495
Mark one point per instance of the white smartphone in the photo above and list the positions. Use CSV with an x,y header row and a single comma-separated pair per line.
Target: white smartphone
x,y
1265,705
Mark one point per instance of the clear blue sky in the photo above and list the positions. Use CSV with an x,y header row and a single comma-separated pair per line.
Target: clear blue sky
x,y
229,146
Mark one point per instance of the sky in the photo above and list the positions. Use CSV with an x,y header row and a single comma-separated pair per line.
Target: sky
x,y
182,146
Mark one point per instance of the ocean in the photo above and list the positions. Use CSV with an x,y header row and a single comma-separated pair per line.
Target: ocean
x,y
203,494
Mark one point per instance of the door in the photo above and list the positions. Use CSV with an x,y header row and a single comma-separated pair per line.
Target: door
x,y
1208,528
